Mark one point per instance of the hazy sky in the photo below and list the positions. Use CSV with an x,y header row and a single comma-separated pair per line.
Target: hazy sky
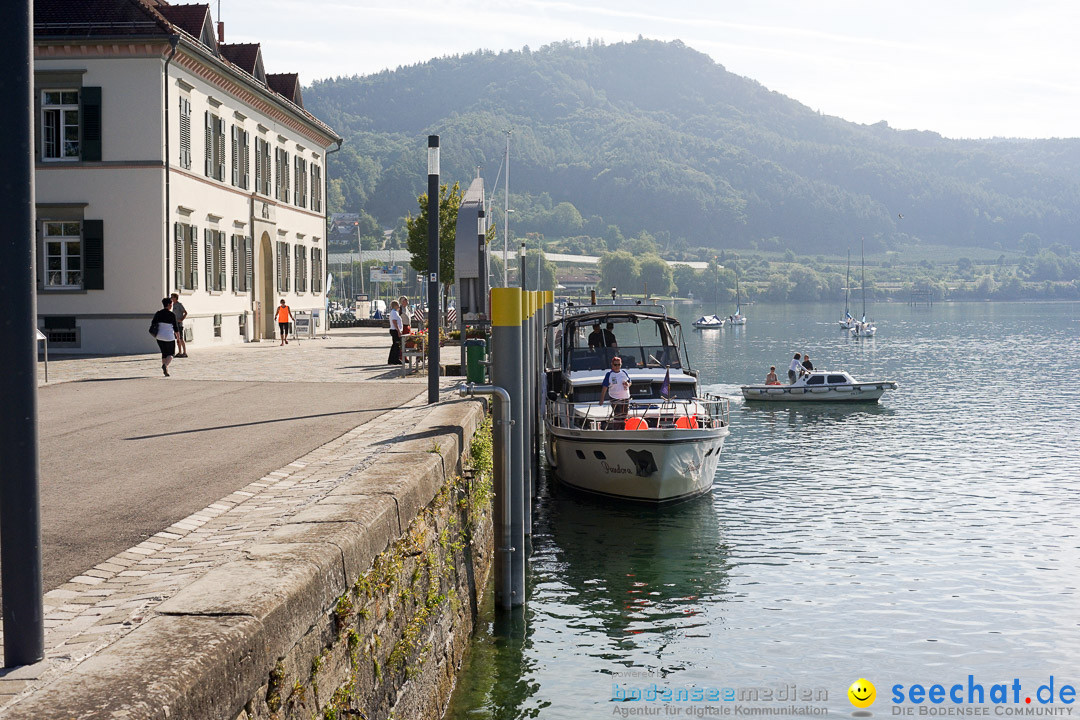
x,y
963,68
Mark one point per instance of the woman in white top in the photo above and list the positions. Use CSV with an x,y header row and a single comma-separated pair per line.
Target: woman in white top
x,y
395,335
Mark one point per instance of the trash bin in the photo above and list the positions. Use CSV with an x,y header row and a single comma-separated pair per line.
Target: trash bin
x,y
475,371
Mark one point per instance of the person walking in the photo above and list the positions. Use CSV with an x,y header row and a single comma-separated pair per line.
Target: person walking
x,y
395,335
284,318
795,369
180,312
807,365
617,385
164,328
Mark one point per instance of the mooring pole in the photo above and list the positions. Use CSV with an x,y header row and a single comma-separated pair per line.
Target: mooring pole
x,y
433,269
530,414
507,372
20,515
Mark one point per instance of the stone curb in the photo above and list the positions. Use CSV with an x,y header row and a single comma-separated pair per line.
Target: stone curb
x,y
205,651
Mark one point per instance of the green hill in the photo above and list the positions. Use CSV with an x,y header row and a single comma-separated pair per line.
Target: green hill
x,y
612,140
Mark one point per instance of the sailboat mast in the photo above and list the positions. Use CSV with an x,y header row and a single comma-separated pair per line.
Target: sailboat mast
x,y
862,252
847,286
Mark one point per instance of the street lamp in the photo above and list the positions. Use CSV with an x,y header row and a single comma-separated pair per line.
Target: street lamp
x,y
613,292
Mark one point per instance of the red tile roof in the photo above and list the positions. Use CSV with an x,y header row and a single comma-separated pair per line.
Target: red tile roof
x,y
287,84
244,55
97,17
189,18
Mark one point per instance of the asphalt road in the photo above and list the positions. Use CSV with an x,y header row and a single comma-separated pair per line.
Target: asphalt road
x,y
124,459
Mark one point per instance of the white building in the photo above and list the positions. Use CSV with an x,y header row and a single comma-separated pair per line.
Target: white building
x,y
168,161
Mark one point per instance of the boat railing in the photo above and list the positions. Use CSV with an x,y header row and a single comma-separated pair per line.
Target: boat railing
x,y
708,412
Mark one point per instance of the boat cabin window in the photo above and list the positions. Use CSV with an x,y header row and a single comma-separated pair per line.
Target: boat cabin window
x,y
816,380
838,380
640,342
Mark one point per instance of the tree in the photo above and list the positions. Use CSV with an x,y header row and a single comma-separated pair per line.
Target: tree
x,y
417,244
656,275
547,272
619,269
687,280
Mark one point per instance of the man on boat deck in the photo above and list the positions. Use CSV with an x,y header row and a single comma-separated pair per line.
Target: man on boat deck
x,y
596,337
617,385
795,369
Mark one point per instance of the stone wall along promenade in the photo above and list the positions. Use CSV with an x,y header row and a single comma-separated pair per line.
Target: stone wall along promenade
x,y
347,587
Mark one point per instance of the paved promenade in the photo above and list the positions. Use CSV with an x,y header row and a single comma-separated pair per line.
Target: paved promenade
x,y
150,482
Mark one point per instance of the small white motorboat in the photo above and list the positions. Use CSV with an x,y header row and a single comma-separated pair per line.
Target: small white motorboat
x,y
821,386
708,322
863,330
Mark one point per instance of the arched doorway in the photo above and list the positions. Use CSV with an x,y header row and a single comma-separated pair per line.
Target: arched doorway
x,y
266,285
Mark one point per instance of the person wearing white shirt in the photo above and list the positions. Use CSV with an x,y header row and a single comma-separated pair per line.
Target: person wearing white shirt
x,y
795,369
395,335
617,385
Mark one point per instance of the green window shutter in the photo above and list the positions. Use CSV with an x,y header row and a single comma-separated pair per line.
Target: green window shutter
x,y
178,255
208,243
288,268
90,99
193,269
185,133
235,265
249,269
219,148
209,145
222,283
245,160
93,255
235,156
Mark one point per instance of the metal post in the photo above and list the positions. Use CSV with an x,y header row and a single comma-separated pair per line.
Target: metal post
x,y
507,372
20,514
501,509
433,269
528,383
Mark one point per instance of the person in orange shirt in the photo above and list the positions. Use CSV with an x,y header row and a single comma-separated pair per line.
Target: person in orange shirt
x,y
284,317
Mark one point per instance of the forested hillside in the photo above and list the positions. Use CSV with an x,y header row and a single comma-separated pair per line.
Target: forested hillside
x,y
610,141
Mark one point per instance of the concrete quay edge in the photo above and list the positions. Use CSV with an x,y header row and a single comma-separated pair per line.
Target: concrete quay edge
x,y
207,649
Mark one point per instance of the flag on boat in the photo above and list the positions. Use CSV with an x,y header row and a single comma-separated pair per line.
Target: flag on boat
x,y
665,387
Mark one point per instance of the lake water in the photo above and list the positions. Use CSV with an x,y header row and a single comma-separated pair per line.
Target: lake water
x,y
933,536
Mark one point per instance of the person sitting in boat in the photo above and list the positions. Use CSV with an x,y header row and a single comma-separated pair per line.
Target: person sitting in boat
x,y
616,385
795,369
771,378
807,365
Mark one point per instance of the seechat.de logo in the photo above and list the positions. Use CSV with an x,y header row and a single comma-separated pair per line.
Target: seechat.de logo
x,y
862,693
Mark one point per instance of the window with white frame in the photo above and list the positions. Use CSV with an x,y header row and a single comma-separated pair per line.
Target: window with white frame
x,y
63,254
60,125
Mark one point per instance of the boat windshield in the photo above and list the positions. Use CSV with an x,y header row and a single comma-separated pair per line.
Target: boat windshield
x,y
640,342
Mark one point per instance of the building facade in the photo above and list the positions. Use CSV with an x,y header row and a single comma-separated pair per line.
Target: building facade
x,y
169,161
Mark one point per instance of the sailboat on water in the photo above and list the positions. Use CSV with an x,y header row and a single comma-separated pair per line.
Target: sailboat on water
x,y
738,318
864,328
847,322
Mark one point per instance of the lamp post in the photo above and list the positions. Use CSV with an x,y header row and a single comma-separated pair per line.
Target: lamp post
x,y
20,514
360,250
433,269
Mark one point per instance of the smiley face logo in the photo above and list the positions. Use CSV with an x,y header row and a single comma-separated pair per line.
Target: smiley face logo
x,y
862,693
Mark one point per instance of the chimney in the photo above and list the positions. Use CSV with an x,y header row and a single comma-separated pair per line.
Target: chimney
x,y
221,32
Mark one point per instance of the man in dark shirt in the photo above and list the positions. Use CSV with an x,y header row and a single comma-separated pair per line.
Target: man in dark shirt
x,y
596,337
807,365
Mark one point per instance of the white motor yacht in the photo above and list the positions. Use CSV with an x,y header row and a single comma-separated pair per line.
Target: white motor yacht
x,y
667,446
